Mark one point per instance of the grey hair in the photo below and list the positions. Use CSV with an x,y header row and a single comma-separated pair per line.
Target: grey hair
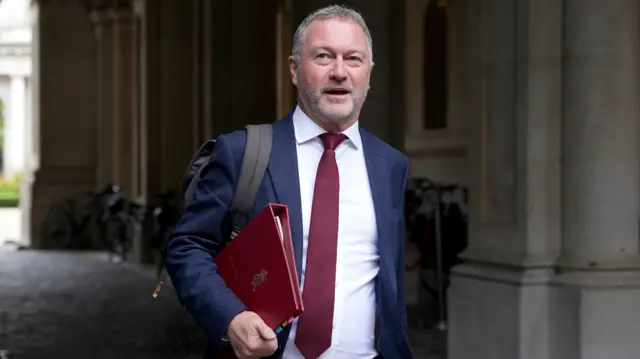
x,y
326,13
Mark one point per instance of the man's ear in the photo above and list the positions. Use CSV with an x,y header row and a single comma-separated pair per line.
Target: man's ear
x,y
293,70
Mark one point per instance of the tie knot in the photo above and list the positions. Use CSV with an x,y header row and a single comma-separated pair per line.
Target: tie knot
x,y
332,140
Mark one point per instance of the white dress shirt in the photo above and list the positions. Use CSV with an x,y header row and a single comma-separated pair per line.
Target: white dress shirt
x,y
358,260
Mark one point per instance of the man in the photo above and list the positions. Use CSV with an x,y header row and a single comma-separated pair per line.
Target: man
x,y
345,192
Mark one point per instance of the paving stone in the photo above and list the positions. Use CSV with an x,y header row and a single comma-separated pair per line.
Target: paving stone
x,y
79,306
69,305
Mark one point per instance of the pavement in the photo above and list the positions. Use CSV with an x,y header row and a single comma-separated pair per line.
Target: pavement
x,y
9,226
78,305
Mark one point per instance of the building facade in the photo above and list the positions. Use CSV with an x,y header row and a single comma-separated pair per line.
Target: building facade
x,y
532,104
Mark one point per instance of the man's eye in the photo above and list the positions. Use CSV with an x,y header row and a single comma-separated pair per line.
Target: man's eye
x,y
353,58
322,56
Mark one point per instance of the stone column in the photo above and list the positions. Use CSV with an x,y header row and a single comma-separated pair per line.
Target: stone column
x,y
597,291
601,135
123,95
113,28
146,131
64,109
14,137
149,96
102,23
176,98
116,78
208,34
498,299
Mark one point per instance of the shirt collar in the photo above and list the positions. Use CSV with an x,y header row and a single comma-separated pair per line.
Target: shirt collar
x,y
306,129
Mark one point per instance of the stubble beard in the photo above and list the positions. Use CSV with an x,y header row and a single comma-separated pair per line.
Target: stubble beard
x,y
321,107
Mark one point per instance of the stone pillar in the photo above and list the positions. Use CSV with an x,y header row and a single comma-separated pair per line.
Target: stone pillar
x,y
113,28
176,98
597,291
252,104
123,96
601,135
220,63
250,35
207,77
64,109
499,299
32,146
28,125
14,127
27,151
546,278
149,96
102,23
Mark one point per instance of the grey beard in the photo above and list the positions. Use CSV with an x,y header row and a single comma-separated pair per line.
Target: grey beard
x,y
328,117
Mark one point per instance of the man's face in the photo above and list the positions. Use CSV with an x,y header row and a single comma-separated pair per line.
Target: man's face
x,y
334,70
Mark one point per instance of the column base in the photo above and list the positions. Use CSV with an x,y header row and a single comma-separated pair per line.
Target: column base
x,y
498,312
47,186
595,315
524,313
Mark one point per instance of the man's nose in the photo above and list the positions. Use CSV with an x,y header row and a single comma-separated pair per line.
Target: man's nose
x,y
339,71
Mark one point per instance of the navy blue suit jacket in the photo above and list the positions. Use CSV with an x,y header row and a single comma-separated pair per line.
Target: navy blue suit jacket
x,y
206,223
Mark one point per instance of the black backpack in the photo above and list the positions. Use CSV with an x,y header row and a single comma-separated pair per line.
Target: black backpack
x,y
254,163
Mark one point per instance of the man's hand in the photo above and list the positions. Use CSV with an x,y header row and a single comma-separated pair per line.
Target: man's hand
x,y
250,337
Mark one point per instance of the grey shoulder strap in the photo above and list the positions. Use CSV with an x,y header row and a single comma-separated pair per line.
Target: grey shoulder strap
x,y
194,170
254,164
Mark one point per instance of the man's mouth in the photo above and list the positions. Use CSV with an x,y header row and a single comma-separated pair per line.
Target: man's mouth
x,y
338,91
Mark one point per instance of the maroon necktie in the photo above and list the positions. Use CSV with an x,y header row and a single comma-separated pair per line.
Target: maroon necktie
x,y
316,322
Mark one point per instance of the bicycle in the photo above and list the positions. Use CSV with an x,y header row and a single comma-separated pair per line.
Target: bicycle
x,y
120,215
66,224
438,226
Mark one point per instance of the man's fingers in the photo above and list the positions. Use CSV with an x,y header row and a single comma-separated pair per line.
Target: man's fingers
x,y
272,345
265,332
260,348
252,338
267,347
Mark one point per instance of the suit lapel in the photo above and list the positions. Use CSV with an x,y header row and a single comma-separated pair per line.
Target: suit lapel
x,y
283,171
378,180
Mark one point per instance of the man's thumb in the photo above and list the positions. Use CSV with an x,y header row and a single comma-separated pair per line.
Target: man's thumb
x,y
265,332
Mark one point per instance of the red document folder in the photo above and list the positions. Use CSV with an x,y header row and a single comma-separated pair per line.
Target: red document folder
x,y
258,265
